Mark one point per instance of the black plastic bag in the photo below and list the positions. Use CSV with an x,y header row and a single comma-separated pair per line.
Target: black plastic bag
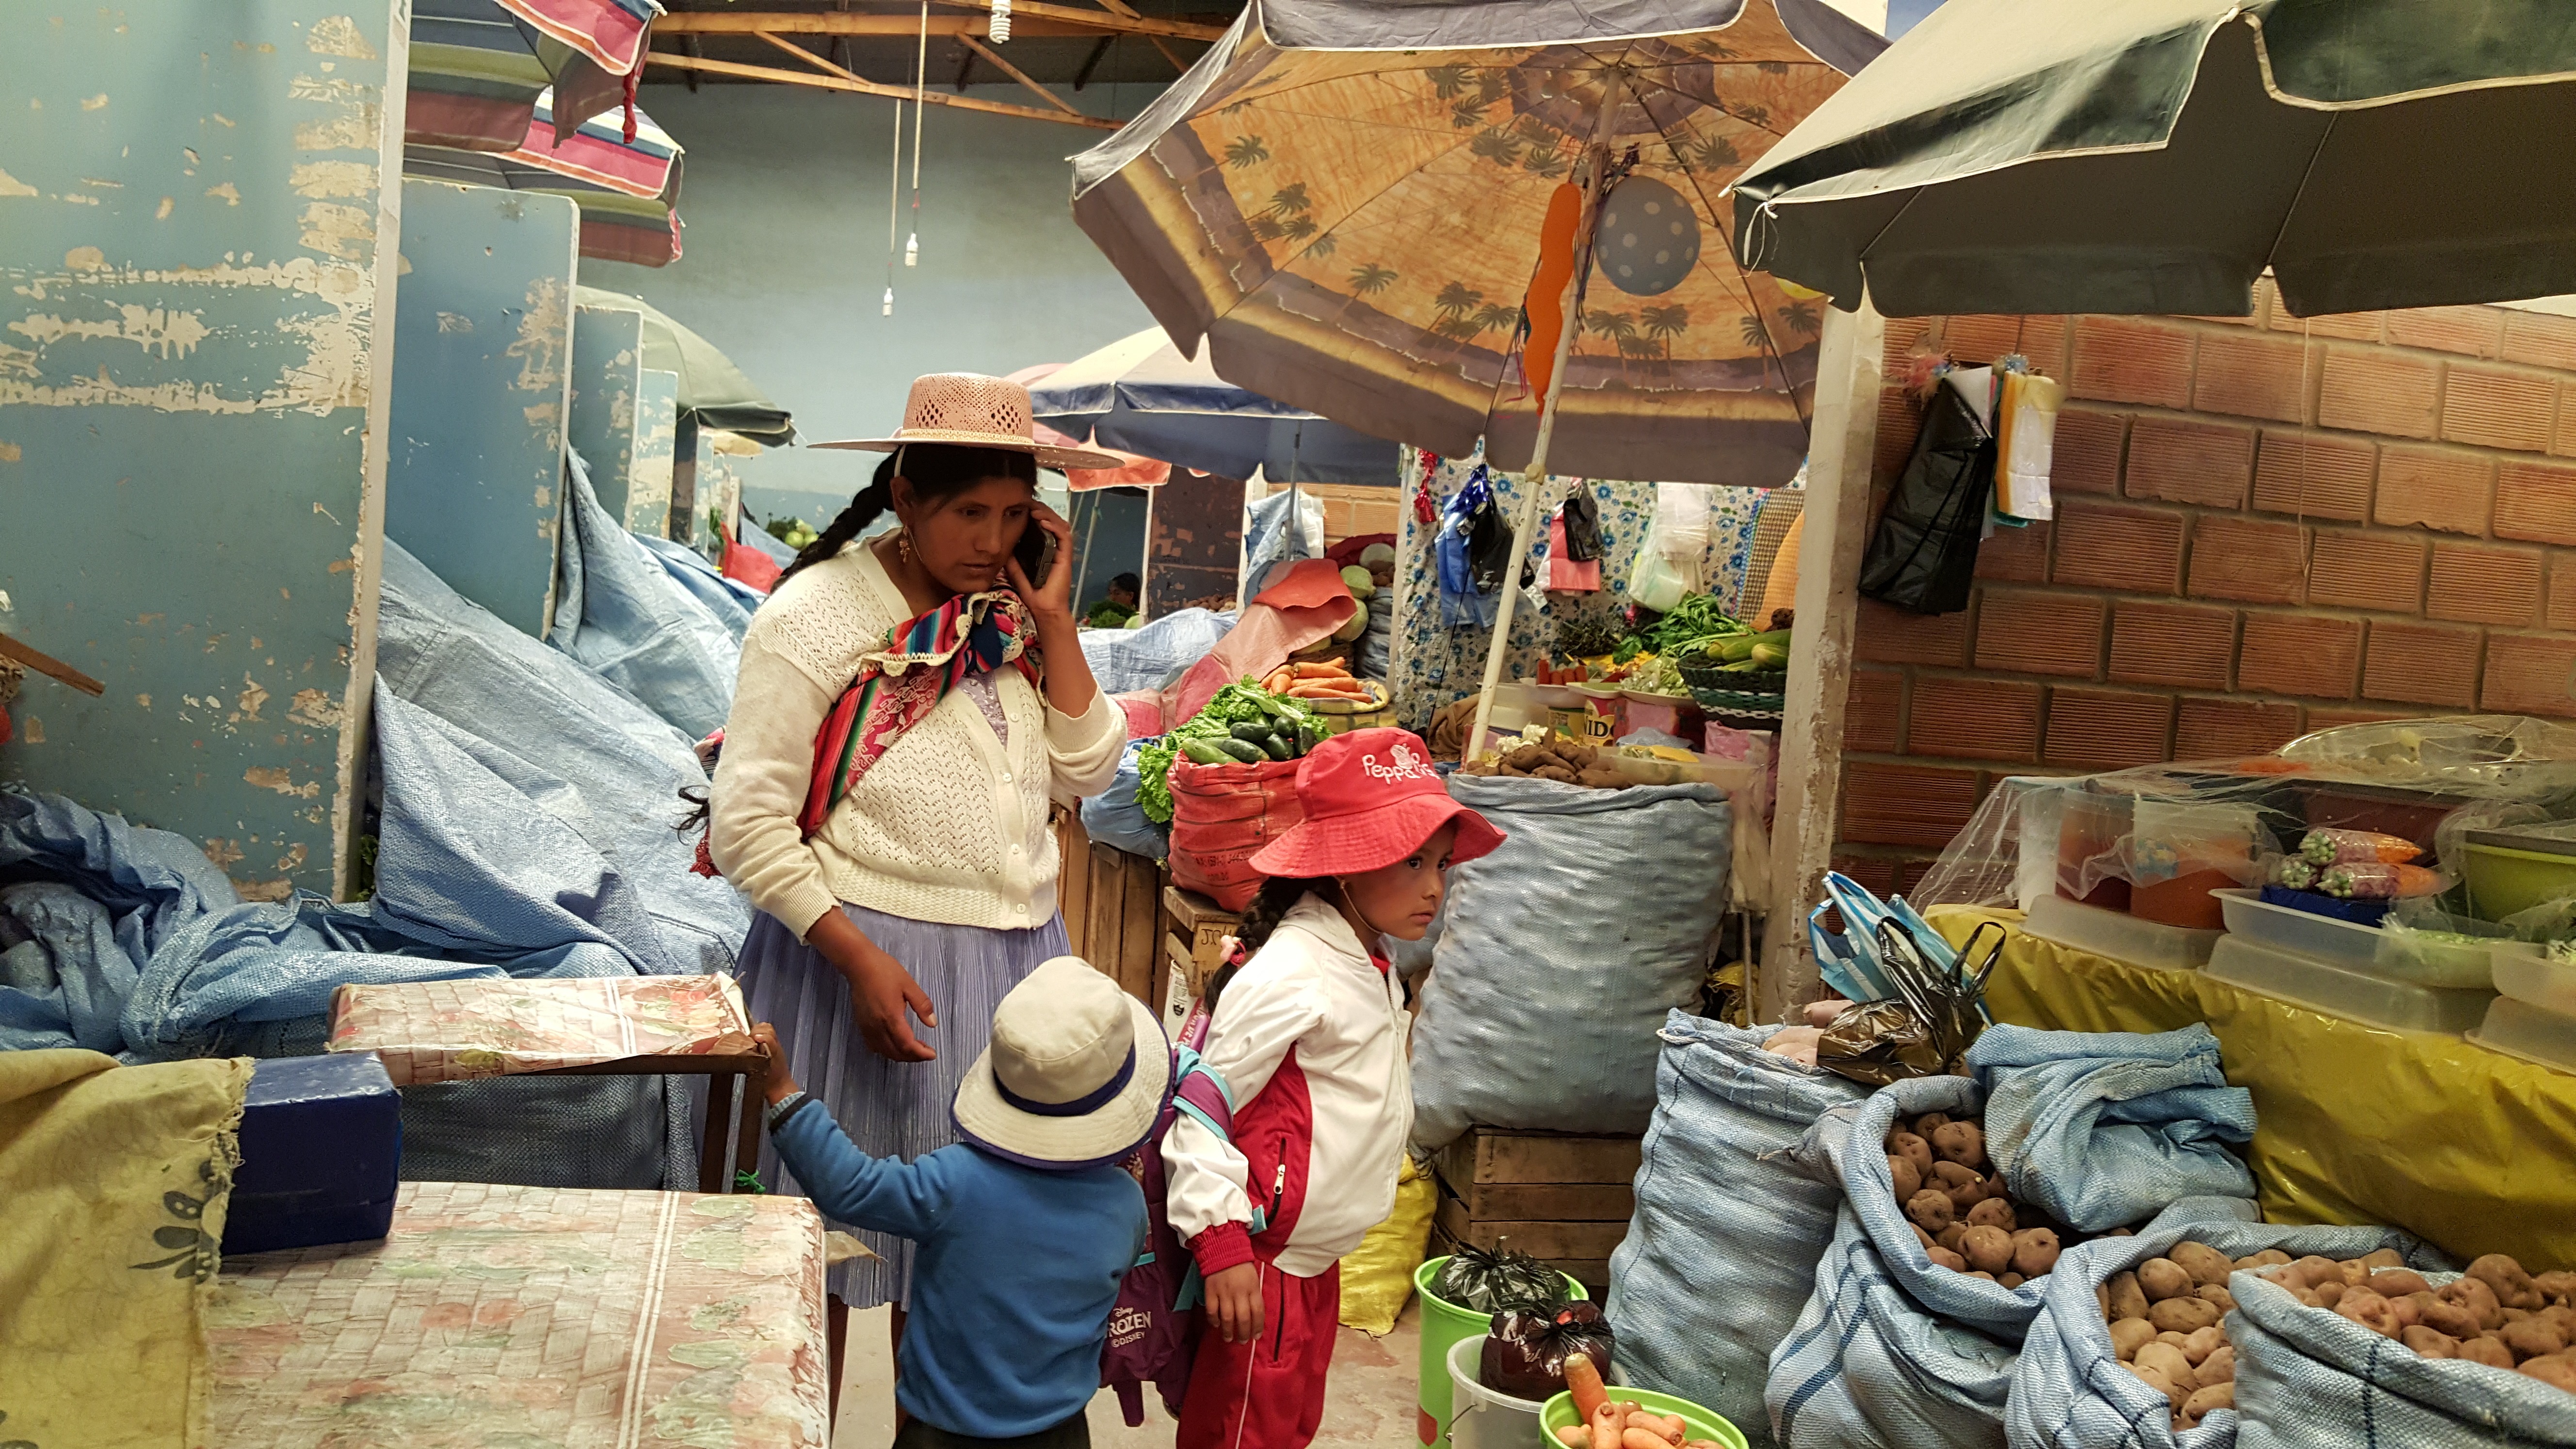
x,y
1923,555
1582,526
1484,1281
1526,1352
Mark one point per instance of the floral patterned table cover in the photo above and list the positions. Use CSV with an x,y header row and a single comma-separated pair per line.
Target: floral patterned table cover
x,y
497,1315
453,1031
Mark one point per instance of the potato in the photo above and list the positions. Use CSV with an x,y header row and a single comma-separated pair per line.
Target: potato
x,y
1903,1173
2034,1252
1961,1142
2156,1380
2408,1312
2218,1368
2165,1359
2516,1315
1921,1236
2558,1287
2474,1295
2313,1270
1950,1176
1914,1149
2369,1310
2173,1340
2430,1344
2183,1315
2354,1271
1982,1273
2512,1286
1930,1210
2534,1338
2012,1280
2204,1263
1949,1260
2163,1278
1994,1212
1929,1123
2565,1318
2488,1351
2446,1318
2558,1371
2102,1295
2398,1283
2202,1343
2130,1334
2329,1294
1951,1236
2271,1258
1987,1248
2202,1401
2379,1258
2217,1296
2128,1300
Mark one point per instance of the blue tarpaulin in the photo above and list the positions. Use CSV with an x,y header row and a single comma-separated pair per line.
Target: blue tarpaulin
x,y
619,610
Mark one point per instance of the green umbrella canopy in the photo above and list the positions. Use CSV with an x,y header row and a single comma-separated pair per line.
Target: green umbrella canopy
x,y
711,387
2156,156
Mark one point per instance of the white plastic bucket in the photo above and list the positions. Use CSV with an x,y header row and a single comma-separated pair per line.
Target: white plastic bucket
x,y
1479,1418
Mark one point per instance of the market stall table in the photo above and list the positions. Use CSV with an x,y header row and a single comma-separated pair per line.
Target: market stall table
x,y
466,1030
2470,1148
496,1314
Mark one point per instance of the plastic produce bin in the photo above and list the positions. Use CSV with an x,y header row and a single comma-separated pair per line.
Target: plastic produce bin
x,y
1443,1324
2342,990
2366,949
2518,1028
2118,935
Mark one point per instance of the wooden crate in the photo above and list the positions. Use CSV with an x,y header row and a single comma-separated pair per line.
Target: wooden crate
x,y
1564,1200
1194,932
1112,915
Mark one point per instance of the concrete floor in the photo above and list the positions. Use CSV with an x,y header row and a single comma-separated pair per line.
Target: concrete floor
x,y
1371,1405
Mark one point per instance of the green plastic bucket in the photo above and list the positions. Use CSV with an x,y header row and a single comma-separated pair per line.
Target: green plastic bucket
x,y
1443,1325
1704,1423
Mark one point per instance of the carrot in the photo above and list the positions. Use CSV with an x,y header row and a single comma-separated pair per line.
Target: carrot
x,y
1643,1439
1325,670
1279,680
1575,1436
1314,689
1583,1380
1672,1427
1607,1427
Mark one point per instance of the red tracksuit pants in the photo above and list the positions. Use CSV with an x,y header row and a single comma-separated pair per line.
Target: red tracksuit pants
x,y
1269,1393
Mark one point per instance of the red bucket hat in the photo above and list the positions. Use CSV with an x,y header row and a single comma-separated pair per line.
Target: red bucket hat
x,y
1371,798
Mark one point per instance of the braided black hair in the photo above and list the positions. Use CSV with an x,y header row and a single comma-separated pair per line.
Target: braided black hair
x,y
1278,894
935,470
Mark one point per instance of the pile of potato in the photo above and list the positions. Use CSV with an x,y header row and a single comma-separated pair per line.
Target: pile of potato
x,y
2496,1314
2165,1321
1565,763
1957,1203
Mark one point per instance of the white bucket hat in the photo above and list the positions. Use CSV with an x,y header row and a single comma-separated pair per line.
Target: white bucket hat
x,y
1076,1074
970,410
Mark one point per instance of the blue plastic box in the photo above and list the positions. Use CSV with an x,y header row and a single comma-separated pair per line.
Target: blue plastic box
x,y
321,1149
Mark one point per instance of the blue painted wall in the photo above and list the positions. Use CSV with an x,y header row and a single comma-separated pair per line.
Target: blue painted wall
x,y
474,483
192,409
607,375
657,423
785,265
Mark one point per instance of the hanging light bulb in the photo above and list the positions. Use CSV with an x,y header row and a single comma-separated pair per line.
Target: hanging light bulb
x,y
1001,27
889,303
912,250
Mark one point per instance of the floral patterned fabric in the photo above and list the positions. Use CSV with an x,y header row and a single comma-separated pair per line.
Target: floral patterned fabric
x,y
1436,664
503,1315
455,1031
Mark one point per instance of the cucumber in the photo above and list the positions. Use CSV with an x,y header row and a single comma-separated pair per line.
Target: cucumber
x,y
1280,747
1254,732
1205,752
1307,738
1244,751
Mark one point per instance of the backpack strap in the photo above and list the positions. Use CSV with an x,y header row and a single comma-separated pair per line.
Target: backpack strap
x,y
1200,1091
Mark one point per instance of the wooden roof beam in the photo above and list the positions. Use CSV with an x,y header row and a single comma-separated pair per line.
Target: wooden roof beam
x,y
1028,17
870,88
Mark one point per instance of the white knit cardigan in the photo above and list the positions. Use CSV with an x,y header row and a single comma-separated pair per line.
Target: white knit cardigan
x,y
947,827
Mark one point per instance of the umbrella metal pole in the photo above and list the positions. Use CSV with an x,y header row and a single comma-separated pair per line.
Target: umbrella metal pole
x,y
1534,481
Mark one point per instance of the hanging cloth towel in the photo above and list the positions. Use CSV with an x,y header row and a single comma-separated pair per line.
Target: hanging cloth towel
x,y
1565,572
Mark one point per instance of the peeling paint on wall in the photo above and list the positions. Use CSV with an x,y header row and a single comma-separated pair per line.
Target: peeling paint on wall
x,y
270,777
12,186
338,35
322,179
328,374
314,708
170,334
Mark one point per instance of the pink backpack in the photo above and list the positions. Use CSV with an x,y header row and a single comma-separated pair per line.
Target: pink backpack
x,y
1154,1330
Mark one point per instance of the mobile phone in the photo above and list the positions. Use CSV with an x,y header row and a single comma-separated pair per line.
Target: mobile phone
x,y
1036,554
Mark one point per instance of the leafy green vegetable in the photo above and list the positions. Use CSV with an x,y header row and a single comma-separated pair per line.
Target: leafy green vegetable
x,y
1629,648
1243,702
1696,617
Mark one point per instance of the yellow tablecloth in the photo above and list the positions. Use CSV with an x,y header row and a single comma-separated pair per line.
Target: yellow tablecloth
x,y
2472,1149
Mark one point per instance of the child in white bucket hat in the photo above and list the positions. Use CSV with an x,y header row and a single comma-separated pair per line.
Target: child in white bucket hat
x,y
1025,1229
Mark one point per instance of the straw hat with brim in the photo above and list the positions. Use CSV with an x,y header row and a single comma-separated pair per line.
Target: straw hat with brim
x,y
970,410
1371,798
1076,1074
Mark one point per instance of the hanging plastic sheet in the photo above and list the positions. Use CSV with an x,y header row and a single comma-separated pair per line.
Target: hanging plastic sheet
x,y
730,600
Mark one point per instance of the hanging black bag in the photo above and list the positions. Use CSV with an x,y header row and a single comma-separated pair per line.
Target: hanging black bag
x,y
1924,554
1582,526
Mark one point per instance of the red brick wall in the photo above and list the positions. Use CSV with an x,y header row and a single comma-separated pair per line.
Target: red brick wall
x,y
2264,526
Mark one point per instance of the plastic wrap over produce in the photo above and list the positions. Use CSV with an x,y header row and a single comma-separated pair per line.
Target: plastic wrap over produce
x,y
2070,1388
1729,1223
1113,818
1154,654
2102,1129
1562,951
2447,820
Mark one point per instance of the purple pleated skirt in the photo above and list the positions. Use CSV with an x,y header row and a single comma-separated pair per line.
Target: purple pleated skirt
x,y
890,1109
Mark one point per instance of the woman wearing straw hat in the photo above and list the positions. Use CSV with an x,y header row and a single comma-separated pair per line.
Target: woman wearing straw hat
x,y
907,707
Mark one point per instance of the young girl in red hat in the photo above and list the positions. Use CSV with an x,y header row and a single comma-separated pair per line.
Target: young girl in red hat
x,y
1308,1033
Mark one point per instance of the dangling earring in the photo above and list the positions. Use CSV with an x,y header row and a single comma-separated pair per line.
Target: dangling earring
x,y
903,545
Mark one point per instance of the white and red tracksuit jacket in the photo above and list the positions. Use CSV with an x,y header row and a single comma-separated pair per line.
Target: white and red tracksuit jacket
x,y
1309,1038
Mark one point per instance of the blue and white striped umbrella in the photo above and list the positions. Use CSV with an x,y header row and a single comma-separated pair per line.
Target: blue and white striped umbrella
x,y
1140,395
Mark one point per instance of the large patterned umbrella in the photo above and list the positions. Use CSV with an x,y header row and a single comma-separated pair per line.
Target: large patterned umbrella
x,y
1346,198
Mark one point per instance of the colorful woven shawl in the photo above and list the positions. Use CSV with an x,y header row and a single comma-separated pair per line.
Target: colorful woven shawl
x,y
899,685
